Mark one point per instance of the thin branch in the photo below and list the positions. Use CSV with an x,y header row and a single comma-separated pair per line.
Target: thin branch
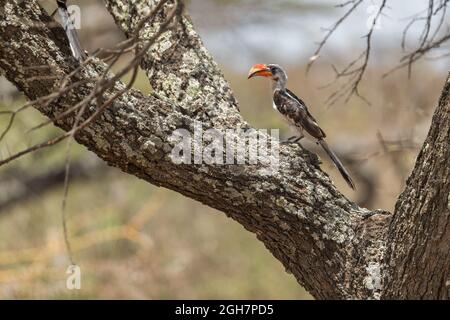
x,y
332,29
409,59
102,83
354,70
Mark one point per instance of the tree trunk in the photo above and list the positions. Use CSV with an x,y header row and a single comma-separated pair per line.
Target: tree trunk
x,y
333,247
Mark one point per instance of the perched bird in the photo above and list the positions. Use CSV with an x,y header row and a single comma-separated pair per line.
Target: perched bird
x,y
71,33
294,110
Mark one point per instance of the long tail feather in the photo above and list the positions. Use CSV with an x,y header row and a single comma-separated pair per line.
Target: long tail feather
x,y
337,163
71,33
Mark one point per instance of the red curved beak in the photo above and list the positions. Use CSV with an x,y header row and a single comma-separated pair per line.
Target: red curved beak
x,y
259,70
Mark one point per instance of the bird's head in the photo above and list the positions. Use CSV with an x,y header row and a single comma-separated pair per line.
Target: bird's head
x,y
272,71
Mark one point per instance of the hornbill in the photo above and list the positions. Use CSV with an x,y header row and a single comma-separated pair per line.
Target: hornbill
x,y
294,110
71,33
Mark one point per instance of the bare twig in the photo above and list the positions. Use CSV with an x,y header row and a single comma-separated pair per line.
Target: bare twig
x,y
332,29
427,39
352,74
409,59
355,70
102,83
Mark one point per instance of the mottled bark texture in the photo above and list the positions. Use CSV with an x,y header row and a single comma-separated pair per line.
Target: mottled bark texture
x,y
334,248
418,254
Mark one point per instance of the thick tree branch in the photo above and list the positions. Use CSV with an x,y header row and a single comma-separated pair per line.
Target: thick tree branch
x,y
419,235
178,66
334,248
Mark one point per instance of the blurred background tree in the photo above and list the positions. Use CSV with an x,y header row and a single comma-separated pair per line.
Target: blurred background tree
x,y
127,235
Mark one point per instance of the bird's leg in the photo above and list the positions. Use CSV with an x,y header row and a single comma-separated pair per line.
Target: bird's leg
x,y
296,138
288,140
293,139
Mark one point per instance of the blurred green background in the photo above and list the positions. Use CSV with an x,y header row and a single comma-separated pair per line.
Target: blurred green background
x,y
134,240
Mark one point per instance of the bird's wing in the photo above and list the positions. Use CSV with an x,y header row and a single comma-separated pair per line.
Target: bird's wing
x,y
296,111
293,108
